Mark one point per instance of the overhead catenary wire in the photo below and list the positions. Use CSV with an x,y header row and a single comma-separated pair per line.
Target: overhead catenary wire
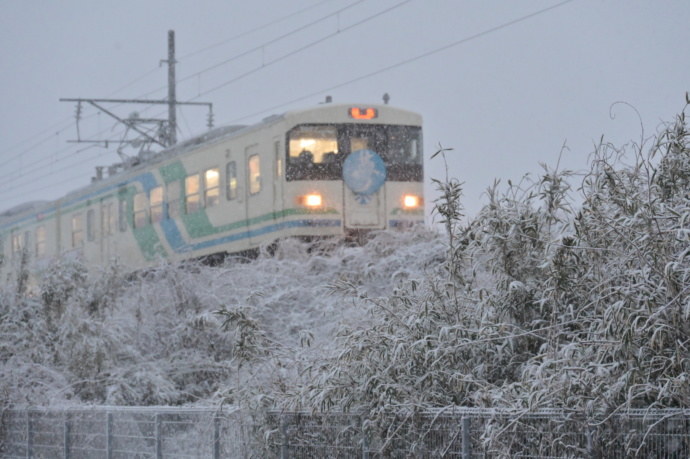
x,y
156,69
381,70
275,40
278,39
403,62
307,46
261,27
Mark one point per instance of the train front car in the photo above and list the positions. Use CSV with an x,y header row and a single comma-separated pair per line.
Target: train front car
x,y
359,167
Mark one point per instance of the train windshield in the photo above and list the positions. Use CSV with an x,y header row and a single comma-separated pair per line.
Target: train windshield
x,y
316,152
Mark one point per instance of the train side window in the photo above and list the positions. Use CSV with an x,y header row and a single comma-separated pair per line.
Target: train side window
x,y
40,241
91,225
140,211
191,192
212,187
156,200
123,216
174,199
231,179
254,174
77,231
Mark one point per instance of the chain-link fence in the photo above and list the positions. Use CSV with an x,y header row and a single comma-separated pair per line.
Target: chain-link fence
x,y
229,433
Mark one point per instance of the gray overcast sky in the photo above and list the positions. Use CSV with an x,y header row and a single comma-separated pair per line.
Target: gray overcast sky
x,y
504,100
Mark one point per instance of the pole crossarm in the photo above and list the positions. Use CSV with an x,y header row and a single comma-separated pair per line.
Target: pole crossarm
x,y
128,123
136,101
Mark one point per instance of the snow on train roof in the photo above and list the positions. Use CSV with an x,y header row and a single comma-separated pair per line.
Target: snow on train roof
x,y
21,208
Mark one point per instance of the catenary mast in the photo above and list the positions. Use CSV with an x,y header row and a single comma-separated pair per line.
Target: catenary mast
x,y
166,132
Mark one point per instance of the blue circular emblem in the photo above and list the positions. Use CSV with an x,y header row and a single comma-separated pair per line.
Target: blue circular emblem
x,y
364,172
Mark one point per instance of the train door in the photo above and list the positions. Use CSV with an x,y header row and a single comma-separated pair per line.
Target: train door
x,y
364,173
259,196
107,229
277,180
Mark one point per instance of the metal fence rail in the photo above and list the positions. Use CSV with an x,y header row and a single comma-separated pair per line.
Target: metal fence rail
x,y
162,432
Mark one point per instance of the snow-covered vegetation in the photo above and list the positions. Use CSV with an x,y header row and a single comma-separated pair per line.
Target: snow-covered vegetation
x,y
189,333
565,291
544,303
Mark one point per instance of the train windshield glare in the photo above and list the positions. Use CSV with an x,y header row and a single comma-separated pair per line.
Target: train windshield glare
x,y
316,152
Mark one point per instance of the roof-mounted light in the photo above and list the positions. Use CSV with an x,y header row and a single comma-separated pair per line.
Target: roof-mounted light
x,y
367,113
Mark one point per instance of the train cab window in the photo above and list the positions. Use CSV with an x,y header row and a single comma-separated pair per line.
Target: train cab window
x,y
231,180
40,241
404,145
174,199
77,231
211,187
191,192
123,216
156,200
140,211
254,174
400,148
91,225
313,153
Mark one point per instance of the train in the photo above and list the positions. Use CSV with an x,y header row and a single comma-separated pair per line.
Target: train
x,y
328,170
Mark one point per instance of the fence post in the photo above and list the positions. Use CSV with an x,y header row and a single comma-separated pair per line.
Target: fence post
x,y
29,435
466,437
284,442
590,442
65,441
216,436
109,435
159,444
365,438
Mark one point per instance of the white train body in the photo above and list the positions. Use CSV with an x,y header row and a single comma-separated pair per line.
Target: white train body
x,y
325,171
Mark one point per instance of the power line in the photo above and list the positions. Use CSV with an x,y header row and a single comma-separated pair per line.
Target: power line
x,y
390,67
261,27
275,40
307,46
406,61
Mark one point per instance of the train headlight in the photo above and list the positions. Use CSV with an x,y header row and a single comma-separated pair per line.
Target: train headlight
x,y
411,201
310,200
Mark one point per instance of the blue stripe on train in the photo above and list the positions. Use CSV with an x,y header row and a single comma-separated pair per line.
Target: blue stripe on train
x,y
172,233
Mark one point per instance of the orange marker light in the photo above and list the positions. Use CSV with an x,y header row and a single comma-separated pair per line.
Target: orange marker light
x,y
363,113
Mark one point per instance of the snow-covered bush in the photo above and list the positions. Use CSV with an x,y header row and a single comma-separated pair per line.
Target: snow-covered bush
x,y
155,337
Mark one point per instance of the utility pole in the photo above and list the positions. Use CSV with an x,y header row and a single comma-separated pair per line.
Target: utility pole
x,y
166,132
172,114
